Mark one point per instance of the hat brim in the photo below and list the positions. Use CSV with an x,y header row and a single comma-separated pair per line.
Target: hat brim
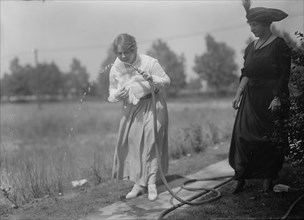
x,y
268,15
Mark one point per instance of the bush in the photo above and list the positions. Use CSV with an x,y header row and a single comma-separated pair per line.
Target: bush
x,y
195,139
296,120
293,126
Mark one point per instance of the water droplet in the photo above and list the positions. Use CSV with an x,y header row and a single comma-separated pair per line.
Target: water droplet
x,y
72,129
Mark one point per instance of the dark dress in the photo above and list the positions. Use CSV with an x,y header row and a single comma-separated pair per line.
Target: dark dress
x,y
252,153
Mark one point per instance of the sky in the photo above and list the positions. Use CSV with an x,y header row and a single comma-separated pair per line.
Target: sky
x,y
62,30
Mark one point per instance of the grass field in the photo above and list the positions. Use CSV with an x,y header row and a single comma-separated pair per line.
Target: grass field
x,y
42,151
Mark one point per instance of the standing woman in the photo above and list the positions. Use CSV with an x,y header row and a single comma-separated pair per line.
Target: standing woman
x,y
135,155
263,87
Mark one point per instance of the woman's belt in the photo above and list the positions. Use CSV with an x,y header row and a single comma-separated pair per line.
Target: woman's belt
x,y
261,81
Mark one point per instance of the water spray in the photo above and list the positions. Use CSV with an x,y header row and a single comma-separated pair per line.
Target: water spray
x,y
82,100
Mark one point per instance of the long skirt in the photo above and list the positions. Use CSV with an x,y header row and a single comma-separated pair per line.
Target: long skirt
x,y
252,153
135,155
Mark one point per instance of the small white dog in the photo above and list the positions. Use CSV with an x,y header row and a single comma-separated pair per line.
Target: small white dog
x,y
137,87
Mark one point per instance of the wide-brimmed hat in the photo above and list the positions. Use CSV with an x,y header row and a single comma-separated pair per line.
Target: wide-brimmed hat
x,y
265,15
261,14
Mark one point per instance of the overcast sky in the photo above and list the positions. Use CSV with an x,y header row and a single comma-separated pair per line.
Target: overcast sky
x,y
67,29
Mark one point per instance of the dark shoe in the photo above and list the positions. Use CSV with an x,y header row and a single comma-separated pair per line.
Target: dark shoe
x,y
238,186
267,185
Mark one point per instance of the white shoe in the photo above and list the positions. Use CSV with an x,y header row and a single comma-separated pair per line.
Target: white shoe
x,y
152,192
136,191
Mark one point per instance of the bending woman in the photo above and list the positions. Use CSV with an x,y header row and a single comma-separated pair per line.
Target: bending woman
x,y
135,156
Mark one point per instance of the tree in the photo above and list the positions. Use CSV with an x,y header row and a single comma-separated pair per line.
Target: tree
x,y
217,65
194,84
18,83
44,79
77,80
173,65
5,85
47,79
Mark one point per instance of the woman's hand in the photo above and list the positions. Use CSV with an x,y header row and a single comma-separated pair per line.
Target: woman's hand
x,y
237,98
147,76
236,101
275,104
123,93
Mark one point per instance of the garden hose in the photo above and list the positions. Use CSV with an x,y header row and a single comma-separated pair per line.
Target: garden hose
x,y
202,190
292,206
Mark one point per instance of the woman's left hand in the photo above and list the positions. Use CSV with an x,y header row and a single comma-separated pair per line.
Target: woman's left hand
x,y
147,76
275,104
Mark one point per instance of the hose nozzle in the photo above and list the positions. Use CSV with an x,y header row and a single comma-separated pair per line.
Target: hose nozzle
x,y
136,69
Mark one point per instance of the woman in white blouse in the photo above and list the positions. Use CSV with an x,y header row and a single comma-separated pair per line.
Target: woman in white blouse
x,y
135,156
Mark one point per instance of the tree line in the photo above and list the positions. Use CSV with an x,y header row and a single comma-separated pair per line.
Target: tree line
x,y
217,66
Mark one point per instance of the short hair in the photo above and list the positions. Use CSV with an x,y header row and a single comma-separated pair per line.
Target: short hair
x,y
126,41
